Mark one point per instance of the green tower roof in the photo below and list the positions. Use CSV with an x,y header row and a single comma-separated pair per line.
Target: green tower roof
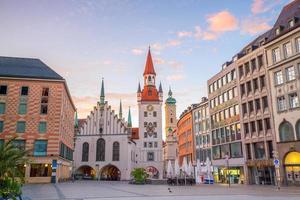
x,y
170,99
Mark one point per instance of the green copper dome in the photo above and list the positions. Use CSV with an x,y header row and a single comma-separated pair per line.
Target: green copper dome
x,y
170,99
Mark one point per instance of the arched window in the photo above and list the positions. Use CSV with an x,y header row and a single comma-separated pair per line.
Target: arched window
x,y
298,129
85,152
149,78
100,153
116,151
286,132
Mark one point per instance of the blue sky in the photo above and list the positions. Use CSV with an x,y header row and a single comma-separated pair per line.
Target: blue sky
x,y
87,40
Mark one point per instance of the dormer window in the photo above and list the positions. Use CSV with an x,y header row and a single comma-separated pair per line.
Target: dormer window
x,y
291,23
277,31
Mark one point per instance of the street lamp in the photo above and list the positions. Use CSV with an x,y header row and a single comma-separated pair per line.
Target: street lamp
x,y
227,166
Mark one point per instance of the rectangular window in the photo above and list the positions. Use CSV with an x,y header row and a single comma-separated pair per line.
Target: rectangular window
x,y
253,127
243,90
247,68
42,127
287,50
253,65
2,108
248,148
255,84
249,87
40,148
259,149
262,81
276,55
1,126
257,104
260,61
267,124
20,144
297,41
22,108
154,114
155,144
3,89
250,105
236,150
246,128
278,77
145,144
241,71
145,114
265,102
21,127
216,152
260,125
290,73
244,109
236,110
233,74
294,100
150,145
150,156
225,150
44,101
24,91
145,124
281,103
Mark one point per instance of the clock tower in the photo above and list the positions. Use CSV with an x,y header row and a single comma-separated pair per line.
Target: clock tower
x,y
150,123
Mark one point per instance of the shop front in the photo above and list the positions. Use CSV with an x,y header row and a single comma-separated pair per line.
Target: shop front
x,y
261,172
234,174
292,168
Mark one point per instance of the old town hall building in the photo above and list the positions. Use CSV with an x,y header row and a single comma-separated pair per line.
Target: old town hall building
x,y
108,148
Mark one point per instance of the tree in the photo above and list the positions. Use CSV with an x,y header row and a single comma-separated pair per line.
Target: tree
x,y
12,162
139,175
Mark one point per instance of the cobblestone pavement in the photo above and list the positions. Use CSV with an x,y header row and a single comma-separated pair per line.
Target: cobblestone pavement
x,y
93,190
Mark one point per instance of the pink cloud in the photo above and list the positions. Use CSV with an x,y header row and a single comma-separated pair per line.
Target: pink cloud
x,y
173,43
198,33
175,77
261,6
209,36
183,34
159,61
253,26
222,22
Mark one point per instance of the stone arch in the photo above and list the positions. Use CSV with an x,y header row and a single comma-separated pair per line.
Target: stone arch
x,y
110,173
286,132
85,171
152,172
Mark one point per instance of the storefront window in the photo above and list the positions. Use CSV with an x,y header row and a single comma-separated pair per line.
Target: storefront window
x,y
236,150
40,170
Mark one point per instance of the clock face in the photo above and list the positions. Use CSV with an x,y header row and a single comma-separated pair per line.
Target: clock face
x,y
150,108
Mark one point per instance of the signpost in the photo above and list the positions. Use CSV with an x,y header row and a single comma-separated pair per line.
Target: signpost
x,y
277,168
227,165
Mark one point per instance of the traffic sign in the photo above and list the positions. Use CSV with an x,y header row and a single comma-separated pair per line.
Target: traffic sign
x,y
276,163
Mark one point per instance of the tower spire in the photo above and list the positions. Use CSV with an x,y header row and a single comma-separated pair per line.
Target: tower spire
x,y
160,90
139,88
170,92
102,96
129,119
120,110
149,69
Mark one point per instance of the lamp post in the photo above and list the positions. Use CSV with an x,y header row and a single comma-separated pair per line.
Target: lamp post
x,y
227,166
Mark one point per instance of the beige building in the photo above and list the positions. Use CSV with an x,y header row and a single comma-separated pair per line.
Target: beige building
x,y
37,109
283,63
227,150
170,150
256,113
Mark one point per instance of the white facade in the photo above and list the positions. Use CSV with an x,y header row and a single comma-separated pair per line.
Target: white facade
x,y
103,124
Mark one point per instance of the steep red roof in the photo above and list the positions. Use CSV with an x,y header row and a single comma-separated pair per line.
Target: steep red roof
x,y
149,69
135,133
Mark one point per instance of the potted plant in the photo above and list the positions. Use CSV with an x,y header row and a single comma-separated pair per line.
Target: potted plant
x,y
139,175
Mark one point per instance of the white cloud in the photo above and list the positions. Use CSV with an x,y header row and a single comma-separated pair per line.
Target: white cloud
x,y
183,34
175,77
137,51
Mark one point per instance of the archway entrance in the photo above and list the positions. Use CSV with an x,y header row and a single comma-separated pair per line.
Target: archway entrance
x,y
110,173
152,172
292,167
85,172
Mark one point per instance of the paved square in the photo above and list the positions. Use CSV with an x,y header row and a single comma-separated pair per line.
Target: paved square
x,y
93,190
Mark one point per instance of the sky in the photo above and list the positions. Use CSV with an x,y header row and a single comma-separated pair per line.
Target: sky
x,y
86,40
